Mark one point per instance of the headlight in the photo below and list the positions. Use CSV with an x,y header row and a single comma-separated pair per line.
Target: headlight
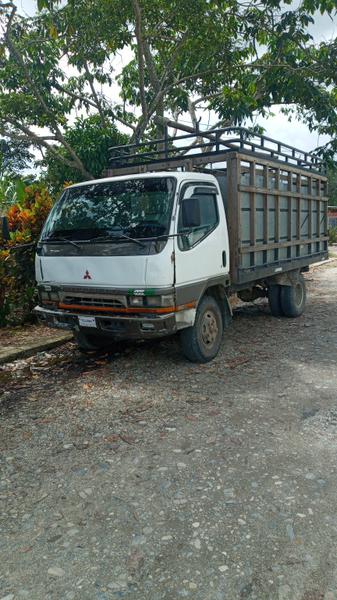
x,y
136,300
152,301
48,296
160,300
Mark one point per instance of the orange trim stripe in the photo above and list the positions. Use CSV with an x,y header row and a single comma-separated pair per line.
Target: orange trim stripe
x,y
133,310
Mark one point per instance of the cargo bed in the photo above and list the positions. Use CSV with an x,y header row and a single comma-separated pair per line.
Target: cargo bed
x,y
277,217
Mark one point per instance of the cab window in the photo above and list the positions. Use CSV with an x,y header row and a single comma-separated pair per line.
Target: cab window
x,y
198,216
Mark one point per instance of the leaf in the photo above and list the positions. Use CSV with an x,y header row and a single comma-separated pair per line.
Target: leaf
x,y
41,4
53,32
112,439
127,439
237,362
19,191
87,386
135,561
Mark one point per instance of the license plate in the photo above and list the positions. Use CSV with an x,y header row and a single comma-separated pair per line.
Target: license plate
x,y
87,321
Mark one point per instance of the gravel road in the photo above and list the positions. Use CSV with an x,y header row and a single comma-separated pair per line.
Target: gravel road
x,y
140,476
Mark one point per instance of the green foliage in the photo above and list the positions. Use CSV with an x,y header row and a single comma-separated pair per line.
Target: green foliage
x,y
14,156
12,189
17,256
18,295
236,58
333,235
91,143
332,186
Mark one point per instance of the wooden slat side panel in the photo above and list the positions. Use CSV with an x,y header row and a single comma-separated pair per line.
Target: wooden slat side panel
x,y
266,183
310,209
298,204
262,190
281,218
252,198
277,212
234,215
244,250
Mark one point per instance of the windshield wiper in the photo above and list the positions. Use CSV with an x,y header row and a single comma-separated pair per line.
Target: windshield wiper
x,y
61,239
114,238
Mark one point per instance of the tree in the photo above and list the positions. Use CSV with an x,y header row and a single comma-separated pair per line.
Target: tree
x,y
14,156
332,181
91,142
234,57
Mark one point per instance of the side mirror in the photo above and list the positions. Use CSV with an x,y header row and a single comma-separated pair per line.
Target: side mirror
x,y
190,213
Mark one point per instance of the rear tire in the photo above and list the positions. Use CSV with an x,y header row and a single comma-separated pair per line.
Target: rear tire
x,y
274,299
201,343
293,298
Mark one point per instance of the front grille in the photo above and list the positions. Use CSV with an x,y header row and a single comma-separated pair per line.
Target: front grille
x,y
97,291
105,302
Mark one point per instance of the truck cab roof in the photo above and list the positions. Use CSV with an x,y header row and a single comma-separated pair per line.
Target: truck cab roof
x,y
179,175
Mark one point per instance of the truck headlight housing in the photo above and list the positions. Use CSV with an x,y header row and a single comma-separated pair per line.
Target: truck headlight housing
x,y
160,301
136,301
166,301
48,297
43,295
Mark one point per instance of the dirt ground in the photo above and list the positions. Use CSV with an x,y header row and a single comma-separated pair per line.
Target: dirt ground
x,y
140,476
11,336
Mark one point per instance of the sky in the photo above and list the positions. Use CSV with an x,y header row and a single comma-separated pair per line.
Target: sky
x,y
278,127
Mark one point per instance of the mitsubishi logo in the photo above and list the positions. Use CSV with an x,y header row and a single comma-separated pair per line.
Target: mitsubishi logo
x,y
87,275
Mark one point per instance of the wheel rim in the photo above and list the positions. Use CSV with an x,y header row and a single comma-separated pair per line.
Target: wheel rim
x,y
209,328
298,294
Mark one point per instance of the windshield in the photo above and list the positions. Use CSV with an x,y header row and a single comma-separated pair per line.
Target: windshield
x,y
134,208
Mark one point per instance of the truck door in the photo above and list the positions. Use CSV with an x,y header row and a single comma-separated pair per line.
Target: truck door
x,y
202,251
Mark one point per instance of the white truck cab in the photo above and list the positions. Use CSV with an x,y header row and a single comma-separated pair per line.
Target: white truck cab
x,y
130,257
146,255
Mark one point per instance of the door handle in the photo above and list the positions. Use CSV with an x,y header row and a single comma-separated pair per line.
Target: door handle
x,y
224,258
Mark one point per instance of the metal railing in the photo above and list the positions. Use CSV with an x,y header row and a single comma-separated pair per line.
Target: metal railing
x,y
208,145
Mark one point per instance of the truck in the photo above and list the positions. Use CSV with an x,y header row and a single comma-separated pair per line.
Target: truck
x,y
176,227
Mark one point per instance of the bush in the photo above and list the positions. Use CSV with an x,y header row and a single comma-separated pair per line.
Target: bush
x,y
12,189
17,296
333,235
17,255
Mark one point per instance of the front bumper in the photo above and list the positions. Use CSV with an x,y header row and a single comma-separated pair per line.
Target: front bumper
x,y
116,327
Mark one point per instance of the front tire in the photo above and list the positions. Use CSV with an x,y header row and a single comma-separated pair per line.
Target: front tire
x,y
90,343
201,342
293,298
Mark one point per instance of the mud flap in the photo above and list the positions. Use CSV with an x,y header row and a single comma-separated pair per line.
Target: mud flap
x,y
227,312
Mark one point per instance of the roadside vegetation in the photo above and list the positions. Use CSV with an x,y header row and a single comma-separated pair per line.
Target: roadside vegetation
x,y
25,218
332,183
333,235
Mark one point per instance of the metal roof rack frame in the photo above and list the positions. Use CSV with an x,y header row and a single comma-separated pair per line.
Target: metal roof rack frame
x,y
201,148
